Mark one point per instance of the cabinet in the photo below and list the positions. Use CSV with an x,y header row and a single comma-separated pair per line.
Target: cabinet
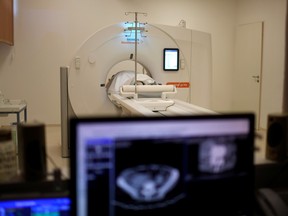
x,y
6,22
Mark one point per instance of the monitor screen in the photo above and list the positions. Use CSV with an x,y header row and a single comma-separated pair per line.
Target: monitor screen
x,y
171,59
160,165
59,206
31,198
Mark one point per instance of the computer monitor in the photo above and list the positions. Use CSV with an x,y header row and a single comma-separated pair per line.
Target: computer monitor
x,y
188,165
28,205
31,198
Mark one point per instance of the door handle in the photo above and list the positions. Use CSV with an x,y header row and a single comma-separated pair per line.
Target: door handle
x,y
257,78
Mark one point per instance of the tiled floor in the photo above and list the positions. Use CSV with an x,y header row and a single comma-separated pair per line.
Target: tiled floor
x,y
53,149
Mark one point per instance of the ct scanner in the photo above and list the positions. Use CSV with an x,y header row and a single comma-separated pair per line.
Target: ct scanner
x,y
100,79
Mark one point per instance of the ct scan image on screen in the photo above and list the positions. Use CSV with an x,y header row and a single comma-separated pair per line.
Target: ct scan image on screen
x,y
171,59
141,178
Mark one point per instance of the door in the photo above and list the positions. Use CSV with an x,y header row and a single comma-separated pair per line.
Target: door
x,y
246,84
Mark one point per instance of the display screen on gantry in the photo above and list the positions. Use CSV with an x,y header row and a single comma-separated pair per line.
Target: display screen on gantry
x,y
171,59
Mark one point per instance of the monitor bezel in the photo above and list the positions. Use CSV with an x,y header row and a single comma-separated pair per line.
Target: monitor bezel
x,y
75,121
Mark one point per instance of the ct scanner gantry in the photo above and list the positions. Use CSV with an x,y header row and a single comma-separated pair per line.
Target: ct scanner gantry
x,y
119,71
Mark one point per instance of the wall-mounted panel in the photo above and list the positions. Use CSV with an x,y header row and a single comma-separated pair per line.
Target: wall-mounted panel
x,y
6,22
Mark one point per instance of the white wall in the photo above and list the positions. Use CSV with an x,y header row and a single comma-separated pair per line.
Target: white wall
x,y
273,15
47,33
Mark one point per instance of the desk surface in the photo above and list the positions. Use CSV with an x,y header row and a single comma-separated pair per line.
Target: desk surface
x,y
11,106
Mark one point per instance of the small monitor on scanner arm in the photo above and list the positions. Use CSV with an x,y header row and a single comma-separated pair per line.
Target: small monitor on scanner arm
x,y
193,165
